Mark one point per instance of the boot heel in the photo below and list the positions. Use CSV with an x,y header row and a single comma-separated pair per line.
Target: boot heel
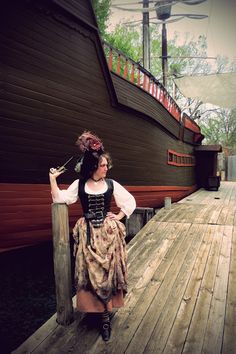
x,y
106,331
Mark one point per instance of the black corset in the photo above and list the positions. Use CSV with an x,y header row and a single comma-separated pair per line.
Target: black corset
x,y
96,206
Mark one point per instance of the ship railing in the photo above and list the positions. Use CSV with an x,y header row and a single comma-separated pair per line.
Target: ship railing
x,y
190,124
133,72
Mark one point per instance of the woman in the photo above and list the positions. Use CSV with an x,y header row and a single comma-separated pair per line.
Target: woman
x,y
101,259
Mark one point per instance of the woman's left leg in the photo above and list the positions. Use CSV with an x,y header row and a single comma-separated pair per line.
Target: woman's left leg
x,y
105,325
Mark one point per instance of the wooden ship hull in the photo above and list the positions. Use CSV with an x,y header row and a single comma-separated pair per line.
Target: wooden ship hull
x,y
56,82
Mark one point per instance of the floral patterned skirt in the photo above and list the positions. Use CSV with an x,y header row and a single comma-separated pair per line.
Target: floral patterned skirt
x,y
101,266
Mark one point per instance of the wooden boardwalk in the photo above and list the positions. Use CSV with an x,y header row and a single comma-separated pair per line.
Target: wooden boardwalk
x,y
182,287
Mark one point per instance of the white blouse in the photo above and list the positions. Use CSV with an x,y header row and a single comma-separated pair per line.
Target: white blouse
x,y
124,200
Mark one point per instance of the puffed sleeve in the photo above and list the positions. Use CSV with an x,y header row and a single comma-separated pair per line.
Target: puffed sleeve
x,y
68,196
124,200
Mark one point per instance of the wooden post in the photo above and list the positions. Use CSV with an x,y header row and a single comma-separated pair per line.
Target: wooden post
x,y
62,263
167,203
137,220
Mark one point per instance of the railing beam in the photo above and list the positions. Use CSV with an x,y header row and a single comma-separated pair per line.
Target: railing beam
x,y
145,80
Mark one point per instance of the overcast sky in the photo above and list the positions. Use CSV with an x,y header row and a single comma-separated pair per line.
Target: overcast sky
x,y
219,27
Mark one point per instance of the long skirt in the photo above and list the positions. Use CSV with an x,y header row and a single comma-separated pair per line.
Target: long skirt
x,y
100,266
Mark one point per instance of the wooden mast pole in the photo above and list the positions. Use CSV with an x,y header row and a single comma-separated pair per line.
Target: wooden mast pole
x,y
146,37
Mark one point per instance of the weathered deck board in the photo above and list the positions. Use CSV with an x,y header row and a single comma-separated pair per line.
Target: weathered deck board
x,y
230,316
215,324
195,336
184,314
162,329
182,287
143,308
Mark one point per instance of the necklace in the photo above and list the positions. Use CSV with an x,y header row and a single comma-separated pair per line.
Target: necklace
x,y
96,180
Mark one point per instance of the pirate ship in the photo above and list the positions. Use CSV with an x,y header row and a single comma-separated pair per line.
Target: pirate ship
x,y
57,80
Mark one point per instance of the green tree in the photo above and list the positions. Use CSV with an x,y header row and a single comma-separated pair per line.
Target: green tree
x,y
102,11
127,40
220,128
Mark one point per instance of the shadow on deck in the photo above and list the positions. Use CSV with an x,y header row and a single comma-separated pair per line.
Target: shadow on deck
x,y
182,287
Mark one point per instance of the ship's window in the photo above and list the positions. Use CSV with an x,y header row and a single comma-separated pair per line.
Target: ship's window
x,y
170,157
178,159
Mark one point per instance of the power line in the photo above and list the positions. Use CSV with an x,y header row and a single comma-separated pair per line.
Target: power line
x,y
184,57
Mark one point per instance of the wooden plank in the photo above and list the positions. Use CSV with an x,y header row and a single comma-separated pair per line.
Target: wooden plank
x,y
231,214
147,254
152,233
143,317
223,215
157,341
228,194
182,321
195,336
142,275
229,344
215,323
204,214
232,201
165,214
158,253
170,215
190,212
197,197
215,213
184,212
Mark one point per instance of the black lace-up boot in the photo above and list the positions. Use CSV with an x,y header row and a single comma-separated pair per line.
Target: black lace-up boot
x,y
106,326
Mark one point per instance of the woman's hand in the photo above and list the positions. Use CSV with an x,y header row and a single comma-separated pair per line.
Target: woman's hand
x,y
54,172
113,216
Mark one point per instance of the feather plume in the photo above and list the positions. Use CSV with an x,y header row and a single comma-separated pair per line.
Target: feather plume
x,y
89,142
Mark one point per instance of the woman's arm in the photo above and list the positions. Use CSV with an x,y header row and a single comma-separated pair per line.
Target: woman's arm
x,y
69,195
53,174
118,216
124,200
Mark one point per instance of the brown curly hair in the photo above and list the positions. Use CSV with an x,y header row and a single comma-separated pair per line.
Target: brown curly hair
x,y
91,161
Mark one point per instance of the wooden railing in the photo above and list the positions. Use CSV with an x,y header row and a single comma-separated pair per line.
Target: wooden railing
x,y
133,72
190,124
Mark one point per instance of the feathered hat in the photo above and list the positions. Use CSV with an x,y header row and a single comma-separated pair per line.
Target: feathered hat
x,y
91,147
